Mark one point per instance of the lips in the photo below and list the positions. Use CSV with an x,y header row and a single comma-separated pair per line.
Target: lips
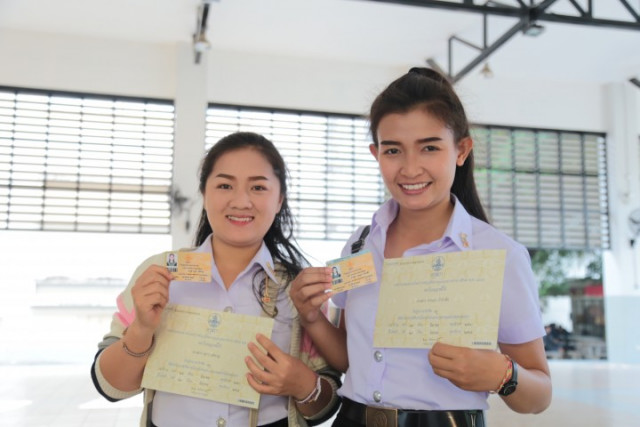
x,y
414,187
241,219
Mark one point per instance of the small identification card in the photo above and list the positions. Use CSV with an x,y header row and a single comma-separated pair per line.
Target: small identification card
x,y
352,271
190,266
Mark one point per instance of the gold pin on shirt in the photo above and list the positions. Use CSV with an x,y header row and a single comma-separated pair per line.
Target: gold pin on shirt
x,y
465,242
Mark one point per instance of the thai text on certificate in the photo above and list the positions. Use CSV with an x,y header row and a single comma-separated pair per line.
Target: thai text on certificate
x,y
200,353
449,297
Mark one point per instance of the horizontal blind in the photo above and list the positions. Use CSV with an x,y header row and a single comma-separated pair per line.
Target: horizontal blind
x,y
547,189
76,162
335,185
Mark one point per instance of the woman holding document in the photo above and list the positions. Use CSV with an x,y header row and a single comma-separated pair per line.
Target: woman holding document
x,y
422,143
244,231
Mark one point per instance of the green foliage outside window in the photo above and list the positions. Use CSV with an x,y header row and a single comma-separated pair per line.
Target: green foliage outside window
x,y
556,269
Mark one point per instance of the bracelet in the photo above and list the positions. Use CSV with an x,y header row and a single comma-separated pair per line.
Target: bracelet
x,y
507,375
133,353
314,395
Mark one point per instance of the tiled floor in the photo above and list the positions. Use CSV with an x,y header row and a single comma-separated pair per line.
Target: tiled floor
x,y
586,393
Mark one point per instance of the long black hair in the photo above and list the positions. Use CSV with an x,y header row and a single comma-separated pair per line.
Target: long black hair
x,y
426,88
279,238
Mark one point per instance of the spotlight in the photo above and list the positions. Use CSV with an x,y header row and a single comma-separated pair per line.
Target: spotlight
x,y
635,81
201,44
533,30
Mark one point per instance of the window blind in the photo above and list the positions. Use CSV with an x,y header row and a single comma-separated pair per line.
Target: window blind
x,y
335,185
545,188
78,162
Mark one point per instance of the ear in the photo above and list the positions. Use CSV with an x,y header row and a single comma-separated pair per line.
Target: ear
x,y
373,148
464,148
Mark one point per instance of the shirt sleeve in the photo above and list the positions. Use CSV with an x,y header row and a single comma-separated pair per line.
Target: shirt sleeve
x,y
123,317
520,315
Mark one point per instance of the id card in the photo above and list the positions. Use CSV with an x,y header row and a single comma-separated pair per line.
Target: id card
x,y
190,266
352,271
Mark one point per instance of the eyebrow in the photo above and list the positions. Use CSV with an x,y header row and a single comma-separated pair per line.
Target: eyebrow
x,y
251,178
420,141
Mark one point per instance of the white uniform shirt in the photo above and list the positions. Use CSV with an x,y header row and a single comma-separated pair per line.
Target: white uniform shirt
x,y
403,378
169,409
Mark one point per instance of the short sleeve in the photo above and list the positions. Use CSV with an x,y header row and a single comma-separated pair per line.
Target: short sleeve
x,y
520,315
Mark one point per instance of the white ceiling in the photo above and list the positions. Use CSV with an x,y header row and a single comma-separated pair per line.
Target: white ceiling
x,y
349,30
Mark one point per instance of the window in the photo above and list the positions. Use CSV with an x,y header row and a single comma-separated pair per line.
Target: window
x,y
545,188
335,184
76,162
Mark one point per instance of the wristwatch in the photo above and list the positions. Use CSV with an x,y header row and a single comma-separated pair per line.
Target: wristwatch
x,y
510,386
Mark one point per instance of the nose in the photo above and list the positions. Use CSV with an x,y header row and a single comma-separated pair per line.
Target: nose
x,y
411,167
241,199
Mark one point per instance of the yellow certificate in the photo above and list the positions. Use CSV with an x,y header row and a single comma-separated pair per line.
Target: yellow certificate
x,y
451,297
352,271
190,266
200,353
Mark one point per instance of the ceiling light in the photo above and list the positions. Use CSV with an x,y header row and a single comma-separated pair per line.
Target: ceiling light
x,y
486,71
201,44
635,81
533,30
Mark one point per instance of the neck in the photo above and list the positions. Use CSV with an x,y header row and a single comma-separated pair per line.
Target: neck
x,y
231,260
413,228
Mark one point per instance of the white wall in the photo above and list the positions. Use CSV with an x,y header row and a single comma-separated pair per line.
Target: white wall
x,y
60,62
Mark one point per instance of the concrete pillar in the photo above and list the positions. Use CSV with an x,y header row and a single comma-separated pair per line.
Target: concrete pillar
x,y
622,262
191,106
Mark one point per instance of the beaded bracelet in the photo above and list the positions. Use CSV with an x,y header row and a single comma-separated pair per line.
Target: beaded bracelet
x,y
314,395
507,375
133,353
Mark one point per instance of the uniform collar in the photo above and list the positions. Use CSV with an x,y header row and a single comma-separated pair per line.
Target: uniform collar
x,y
458,231
262,259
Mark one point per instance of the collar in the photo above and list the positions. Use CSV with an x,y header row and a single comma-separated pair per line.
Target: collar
x,y
458,231
262,259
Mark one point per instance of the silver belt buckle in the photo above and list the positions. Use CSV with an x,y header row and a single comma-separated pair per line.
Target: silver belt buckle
x,y
376,416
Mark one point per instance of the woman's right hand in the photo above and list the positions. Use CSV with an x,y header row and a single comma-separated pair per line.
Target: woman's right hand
x,y
150,296
308,292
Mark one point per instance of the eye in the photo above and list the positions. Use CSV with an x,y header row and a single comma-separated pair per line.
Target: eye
x,y
224,186
259,187
430,148
391,151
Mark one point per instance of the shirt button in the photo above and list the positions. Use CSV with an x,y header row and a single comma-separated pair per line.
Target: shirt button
x,y
228,309
221,422
378,356
377,396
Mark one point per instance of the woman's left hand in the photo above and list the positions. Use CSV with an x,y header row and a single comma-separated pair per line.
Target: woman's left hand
x,y
283,375
468,368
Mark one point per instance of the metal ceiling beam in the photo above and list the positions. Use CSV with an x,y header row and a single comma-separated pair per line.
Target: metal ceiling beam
x,y
526,15
499,9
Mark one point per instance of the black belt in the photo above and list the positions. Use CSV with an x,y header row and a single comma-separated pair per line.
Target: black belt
x,y
280,423
376,416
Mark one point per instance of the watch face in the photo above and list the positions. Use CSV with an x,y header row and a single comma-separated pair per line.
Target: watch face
x,y
508,388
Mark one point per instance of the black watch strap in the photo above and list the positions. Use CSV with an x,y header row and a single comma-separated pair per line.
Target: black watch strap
x,y
510,386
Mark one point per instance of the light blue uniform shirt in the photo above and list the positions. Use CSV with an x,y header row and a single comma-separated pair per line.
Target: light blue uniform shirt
x,y
175,410
403,378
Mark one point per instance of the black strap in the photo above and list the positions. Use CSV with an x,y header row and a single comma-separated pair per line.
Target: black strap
x,y
358,244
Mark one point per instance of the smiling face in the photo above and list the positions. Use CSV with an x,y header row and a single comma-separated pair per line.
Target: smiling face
x,y
242,197
418,156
